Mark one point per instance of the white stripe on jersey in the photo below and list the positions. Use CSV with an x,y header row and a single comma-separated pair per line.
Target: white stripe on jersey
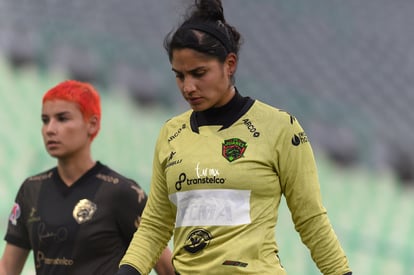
x,y
215,207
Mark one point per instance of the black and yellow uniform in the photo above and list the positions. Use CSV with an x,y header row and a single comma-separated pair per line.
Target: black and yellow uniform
x,y
82,229
218,178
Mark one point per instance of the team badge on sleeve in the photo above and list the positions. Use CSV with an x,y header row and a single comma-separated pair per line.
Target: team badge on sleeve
x,y
15,214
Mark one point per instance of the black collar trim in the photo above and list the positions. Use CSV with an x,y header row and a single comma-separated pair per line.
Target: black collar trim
x,y
224,116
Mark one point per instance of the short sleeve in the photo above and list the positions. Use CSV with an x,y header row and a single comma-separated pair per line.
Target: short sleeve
x,y
17,232
130,202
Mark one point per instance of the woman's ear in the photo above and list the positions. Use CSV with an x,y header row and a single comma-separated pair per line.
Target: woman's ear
x,y
231,63
93,125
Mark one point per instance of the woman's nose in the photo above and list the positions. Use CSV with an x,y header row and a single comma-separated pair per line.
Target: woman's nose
x,y
188,85
51,128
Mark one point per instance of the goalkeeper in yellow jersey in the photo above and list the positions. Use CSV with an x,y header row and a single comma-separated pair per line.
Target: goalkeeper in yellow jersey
x,y
221,168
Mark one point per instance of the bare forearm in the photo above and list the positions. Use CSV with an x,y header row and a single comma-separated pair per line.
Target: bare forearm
x,y
13,260
164,264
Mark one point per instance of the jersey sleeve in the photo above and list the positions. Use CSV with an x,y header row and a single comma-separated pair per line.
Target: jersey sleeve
x,y
131,201
17,233
300,185
157,221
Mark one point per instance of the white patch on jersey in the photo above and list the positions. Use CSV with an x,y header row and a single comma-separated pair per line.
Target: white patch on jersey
x,y
215,207
15,214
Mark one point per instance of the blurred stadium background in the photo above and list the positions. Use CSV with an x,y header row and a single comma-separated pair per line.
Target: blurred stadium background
x,y
343,68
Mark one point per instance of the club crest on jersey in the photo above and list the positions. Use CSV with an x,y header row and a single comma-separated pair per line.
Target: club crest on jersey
x,y
233,149
15,214
197,240
84,211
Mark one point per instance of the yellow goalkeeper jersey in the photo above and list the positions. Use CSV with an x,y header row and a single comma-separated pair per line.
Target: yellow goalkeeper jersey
x,y
217,189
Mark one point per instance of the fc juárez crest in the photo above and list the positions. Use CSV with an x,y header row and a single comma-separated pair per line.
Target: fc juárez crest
x,y
233,149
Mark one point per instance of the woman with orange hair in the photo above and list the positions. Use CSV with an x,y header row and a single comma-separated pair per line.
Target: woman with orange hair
x,y
78,217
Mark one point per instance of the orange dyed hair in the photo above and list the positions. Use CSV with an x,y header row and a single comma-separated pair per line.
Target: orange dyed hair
x,y
81,93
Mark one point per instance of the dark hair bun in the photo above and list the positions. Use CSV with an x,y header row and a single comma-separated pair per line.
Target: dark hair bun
x,y
209,10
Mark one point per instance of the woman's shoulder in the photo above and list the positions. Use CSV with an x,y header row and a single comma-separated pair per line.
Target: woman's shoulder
x,y
176,124
34,182
272,113
42,176
115,179
123,189
178,119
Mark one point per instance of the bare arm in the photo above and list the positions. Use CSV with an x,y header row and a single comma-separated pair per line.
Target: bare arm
x,y
164,265
13,260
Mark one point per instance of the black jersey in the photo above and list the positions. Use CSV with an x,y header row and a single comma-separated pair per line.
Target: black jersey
x,y
82,229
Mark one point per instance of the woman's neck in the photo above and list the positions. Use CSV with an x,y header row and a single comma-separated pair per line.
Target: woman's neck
x,y
218,116
70,171
224,116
